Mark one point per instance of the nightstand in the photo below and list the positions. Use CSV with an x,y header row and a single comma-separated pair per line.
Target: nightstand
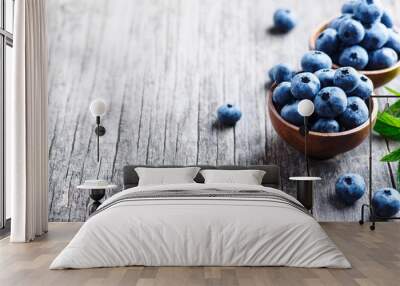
x,y
305,193
96,193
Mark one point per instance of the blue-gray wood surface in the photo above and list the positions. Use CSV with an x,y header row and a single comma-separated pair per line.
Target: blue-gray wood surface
x,y
164,67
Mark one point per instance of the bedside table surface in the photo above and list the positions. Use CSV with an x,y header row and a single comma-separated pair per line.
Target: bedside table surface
x,y
88,187
305,178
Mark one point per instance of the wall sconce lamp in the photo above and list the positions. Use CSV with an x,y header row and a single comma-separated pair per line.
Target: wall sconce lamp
x,y
98,108
306,109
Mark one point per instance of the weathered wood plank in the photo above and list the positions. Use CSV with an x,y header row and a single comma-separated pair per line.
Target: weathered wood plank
x,y
164,67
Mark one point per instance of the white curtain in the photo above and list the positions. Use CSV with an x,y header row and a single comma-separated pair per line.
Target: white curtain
x,y
27,123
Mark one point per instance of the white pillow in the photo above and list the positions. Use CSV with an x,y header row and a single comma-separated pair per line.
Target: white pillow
x,y
165,176
248,177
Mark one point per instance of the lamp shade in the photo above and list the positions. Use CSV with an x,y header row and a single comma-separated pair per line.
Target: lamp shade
x,y
305,107
98,107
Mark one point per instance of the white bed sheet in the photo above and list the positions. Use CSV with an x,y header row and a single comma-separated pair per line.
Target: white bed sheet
x,y
200,232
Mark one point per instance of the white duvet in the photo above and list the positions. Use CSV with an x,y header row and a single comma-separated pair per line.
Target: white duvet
x,y
188,231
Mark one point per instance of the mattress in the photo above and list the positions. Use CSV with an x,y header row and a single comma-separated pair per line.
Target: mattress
x,y
201,225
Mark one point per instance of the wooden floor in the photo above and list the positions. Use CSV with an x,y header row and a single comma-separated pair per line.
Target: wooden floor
x,y
375,257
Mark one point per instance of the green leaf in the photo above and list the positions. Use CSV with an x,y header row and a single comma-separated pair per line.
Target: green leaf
x,y
388,122
392,157
388,126
394,109
392,91
389,119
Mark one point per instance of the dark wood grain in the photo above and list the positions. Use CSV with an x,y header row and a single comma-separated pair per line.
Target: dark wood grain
x,y
164,67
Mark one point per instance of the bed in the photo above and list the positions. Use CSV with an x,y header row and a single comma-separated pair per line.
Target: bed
x,y
201,224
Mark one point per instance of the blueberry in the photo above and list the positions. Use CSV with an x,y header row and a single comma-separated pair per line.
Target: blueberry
x,y
347,78
355,114
330,102
351,32
325,77
382,58
364,88
326,125
284,20
282,94
271,73
305,85
387,20
386,202
280,73
228,114
335,23
327,41
393,41
368,11
315,60
354,56
349,188
376,36
348,7
290,113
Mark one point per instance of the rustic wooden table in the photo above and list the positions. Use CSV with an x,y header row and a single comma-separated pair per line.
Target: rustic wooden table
x,y
165,67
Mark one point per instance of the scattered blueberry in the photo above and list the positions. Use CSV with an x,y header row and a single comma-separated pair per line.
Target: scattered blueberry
x,y
382,58
282,94
330,102
351,32
376,36
327,41
386,202
335,23
355,114
228,114
325,77
305,86
349,188
280,73
393,41
364,88
354,56
368,11
284,20
346,78
291,114
315,60
325,125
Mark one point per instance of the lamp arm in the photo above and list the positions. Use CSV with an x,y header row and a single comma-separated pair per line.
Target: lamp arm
x,y
98,138
305,142
370,150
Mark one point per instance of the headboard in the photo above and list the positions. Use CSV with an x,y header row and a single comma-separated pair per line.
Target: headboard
x,y
271,178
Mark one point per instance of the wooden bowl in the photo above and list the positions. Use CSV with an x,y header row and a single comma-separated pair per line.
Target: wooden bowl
x,y
320,145
378,77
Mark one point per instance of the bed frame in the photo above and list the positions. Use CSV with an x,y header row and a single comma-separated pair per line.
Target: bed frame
x,y
271,178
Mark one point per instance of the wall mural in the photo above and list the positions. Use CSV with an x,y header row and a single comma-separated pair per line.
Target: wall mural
x,y
169,70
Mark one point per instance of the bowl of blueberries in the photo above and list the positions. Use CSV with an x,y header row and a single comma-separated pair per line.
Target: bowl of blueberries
x,y
341,99
362,37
